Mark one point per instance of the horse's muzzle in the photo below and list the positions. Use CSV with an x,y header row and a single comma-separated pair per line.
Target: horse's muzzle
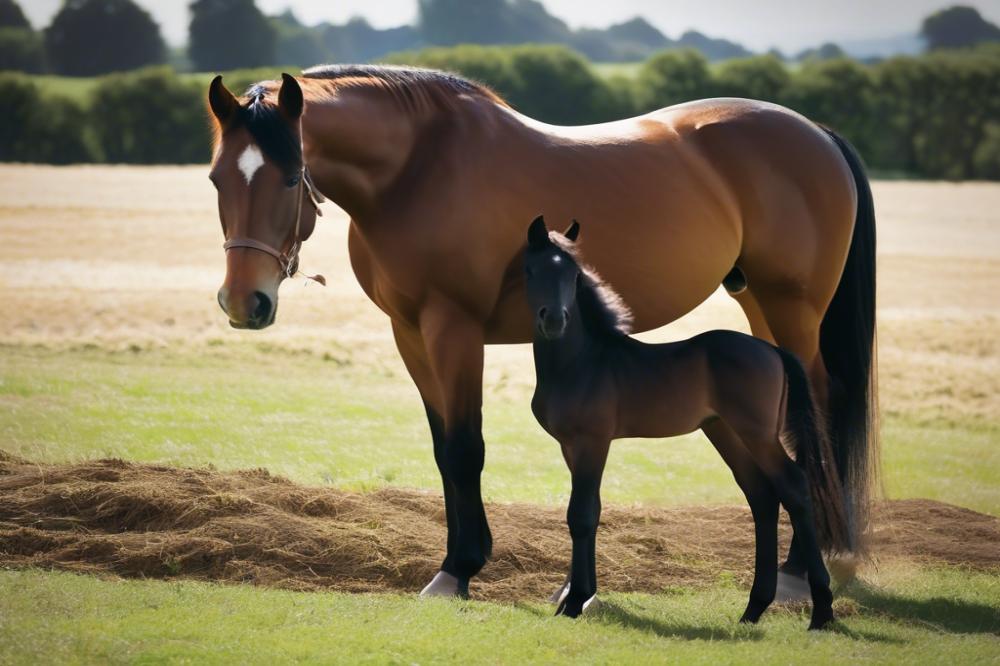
x,y
254,311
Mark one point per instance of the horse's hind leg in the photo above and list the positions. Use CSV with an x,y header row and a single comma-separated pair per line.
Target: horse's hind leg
x,y
791,321
763,503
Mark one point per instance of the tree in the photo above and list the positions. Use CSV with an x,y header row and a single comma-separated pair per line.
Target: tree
x,y
150,117
229,34
21,50
760,77
89,37
957,27
11,15
673,77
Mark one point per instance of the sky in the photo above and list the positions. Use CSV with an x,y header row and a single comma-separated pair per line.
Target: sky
x,y
787,24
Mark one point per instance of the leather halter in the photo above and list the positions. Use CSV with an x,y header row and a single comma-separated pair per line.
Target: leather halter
x,y
289,259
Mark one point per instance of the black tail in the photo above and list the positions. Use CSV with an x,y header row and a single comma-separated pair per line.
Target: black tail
x,y
848,346
813,453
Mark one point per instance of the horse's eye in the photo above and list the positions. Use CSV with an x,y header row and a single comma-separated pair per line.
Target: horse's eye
x,y
293,181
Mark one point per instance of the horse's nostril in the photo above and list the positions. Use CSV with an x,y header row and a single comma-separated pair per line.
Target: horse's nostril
x,y
542,312
262,313
565,314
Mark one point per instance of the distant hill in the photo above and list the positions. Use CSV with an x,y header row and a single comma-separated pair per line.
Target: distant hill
x,y
449,22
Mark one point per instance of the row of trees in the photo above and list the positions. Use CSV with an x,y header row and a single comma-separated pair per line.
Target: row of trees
x,y
935,116
89,37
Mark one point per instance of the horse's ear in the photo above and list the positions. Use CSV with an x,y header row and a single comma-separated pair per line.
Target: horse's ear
x,y
573,232
221,101
290,97
538,234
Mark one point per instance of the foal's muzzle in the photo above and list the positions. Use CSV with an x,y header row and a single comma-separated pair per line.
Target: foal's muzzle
x,y
552,322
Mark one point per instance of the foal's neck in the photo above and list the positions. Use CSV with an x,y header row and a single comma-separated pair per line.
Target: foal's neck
x,y
566,357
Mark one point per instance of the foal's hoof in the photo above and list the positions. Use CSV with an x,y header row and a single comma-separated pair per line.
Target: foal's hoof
x,y
792,588
752,615
559,595
821,620
446,585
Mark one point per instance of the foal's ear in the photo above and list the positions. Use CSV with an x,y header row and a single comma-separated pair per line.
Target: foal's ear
x,y
538,235
573,232
290,97
221,101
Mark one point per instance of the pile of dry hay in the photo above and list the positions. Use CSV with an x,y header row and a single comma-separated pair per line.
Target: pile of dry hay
x,y
116,517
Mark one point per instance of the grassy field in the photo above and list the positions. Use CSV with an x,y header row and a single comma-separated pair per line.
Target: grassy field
x,y
112,345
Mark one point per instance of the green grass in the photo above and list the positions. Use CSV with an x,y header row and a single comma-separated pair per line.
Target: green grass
x,y
326,419
332,422
919,617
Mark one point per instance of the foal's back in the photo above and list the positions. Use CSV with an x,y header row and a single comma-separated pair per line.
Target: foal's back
x,y
671,389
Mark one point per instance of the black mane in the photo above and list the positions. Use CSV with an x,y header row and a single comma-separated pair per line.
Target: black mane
x,y
602,309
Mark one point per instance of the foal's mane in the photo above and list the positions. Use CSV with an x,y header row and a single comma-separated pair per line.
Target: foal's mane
x,y
603,310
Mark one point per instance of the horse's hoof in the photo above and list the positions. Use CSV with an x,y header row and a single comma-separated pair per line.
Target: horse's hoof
x,y
446,585
573,609
591,605
560,595
792,588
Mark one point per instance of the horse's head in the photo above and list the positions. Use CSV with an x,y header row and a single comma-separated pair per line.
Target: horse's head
x,y
267,204
551,276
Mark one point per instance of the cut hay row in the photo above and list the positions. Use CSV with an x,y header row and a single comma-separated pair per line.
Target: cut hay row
x,y
135,520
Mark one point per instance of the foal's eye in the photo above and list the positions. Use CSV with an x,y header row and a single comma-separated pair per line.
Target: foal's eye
x,y
293,181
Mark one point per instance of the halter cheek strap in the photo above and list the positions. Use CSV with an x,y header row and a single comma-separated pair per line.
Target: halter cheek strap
x,y
288,260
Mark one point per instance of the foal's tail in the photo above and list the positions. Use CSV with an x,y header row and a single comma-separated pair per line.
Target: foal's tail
x,y
813,453
847,343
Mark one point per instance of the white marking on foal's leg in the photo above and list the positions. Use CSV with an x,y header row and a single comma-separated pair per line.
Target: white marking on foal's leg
x,y
443,585
792,588
250,161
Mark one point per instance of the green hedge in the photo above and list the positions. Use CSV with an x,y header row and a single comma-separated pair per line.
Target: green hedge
x,y
935,116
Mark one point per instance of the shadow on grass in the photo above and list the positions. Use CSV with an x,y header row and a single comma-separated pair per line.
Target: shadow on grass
x,y
611,613
939,613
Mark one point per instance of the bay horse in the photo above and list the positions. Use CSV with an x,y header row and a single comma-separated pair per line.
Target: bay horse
x,y
438,175
595,384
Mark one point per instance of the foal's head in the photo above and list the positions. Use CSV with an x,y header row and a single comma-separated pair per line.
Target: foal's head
x,y
551,274
265,200
560,287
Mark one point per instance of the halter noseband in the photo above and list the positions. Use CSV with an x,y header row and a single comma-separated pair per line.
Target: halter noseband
x,y
288,260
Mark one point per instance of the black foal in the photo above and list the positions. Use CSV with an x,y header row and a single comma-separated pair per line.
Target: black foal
x,y
596,384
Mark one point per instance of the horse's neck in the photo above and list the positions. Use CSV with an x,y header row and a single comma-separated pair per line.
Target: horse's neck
x,y
361,143
356,146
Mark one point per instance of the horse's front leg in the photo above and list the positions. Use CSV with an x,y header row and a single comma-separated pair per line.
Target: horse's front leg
x,y
453,342
586,458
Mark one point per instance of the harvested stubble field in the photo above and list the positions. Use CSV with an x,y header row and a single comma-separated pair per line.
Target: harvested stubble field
x,y
112,347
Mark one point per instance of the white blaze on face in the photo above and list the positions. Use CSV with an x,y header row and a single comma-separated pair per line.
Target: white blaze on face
x,y
250,161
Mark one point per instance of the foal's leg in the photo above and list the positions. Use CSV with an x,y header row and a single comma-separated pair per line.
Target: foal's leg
x,y
763,503
588,458
793,490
